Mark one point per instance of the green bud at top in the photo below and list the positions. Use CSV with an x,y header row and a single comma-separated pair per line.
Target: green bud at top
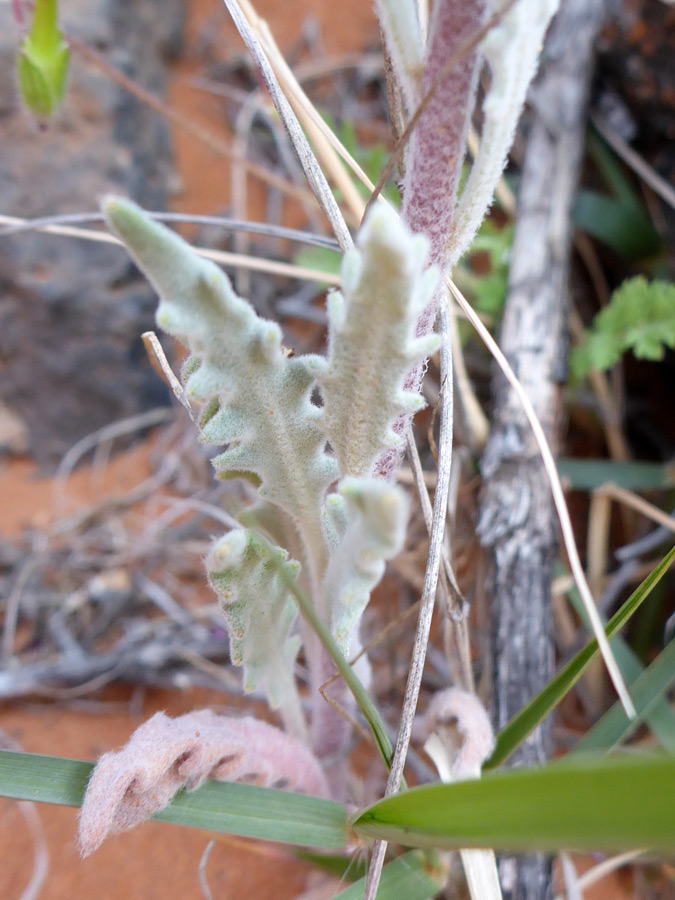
x,y
42,66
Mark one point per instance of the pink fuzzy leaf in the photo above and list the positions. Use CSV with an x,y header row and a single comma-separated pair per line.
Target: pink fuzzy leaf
x,y
460,718
165,755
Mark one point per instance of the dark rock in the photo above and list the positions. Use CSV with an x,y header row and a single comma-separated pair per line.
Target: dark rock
x,y
72,311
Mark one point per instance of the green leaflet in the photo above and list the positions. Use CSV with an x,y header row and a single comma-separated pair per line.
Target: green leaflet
x,y
257,398
260,615
580,804
639,317
373,515
372,344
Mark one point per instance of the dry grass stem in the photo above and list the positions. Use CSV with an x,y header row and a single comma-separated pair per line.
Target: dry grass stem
x,y
558,498
606,867
308,161
634,161
431,575
236,260
327,144
632,501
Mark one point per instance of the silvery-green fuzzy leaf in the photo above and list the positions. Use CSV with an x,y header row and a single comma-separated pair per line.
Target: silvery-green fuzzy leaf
x,y
372,514
372,343
272,521
257,398
512,51
402,33
260,616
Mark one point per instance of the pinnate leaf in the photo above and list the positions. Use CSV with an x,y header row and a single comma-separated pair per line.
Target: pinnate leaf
x,y
165,755
639,317
372,343
257,398
373,514
260,615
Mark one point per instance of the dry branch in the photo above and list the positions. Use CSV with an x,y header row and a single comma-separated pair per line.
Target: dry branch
x,y
517,522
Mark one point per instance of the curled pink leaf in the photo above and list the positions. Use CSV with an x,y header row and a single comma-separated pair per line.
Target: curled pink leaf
x,y
461,722
165,755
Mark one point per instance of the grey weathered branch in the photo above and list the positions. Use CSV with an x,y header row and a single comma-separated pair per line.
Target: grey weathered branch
x,y
160,656
517,522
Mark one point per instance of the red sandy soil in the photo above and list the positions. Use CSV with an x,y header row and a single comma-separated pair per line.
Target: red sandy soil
x,y
155,860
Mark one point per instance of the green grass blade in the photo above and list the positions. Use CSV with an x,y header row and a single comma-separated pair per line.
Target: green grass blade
x,y
237,809
405,878
524,723
612,170
589,474
655,711
44,779
624,229
647,694
581,803
341,865
659,717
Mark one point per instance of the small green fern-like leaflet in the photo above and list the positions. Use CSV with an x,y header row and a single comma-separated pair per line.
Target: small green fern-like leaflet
x,y
581,804
639,317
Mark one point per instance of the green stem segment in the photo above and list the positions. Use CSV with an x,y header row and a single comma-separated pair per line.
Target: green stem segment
x,y
45,32
361,696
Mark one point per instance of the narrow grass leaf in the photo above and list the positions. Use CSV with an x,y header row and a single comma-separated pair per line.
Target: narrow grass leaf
x,y
590,474
658,716
237,809
647,691
524,723
405,878
622,228
656,712
581,804
342,865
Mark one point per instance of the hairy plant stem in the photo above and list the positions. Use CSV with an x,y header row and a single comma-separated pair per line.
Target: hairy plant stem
x,y
428,593
436,151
